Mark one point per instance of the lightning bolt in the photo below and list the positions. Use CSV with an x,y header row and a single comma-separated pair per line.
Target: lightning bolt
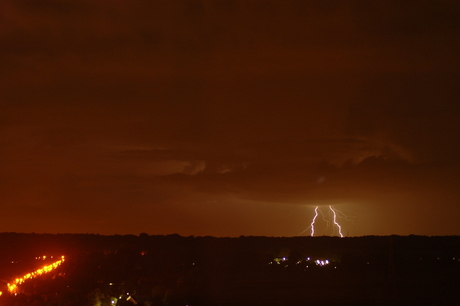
x,y
312,224
335,220
334,214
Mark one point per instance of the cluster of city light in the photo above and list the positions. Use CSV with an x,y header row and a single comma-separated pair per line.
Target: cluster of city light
x,y
322,262
318,262
13,287
278,260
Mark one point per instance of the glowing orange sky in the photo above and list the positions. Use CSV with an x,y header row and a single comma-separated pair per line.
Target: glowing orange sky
x,y
229,118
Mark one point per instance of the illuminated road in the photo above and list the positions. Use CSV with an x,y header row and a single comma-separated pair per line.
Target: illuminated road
x,y
13,287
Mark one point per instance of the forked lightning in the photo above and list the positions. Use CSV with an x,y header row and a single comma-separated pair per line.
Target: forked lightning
x,y
334,220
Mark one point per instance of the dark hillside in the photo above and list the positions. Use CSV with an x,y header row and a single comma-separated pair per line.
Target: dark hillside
x,y
176,270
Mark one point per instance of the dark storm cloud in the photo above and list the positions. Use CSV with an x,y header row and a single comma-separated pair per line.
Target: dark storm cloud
x,y
177,109
418,111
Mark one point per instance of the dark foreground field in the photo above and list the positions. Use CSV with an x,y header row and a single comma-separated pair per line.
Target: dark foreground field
x,y
175,270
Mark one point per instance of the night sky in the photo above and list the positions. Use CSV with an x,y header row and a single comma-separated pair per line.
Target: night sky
x,y
229,118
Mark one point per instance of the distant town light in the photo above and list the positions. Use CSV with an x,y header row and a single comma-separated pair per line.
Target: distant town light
x,y
322,262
